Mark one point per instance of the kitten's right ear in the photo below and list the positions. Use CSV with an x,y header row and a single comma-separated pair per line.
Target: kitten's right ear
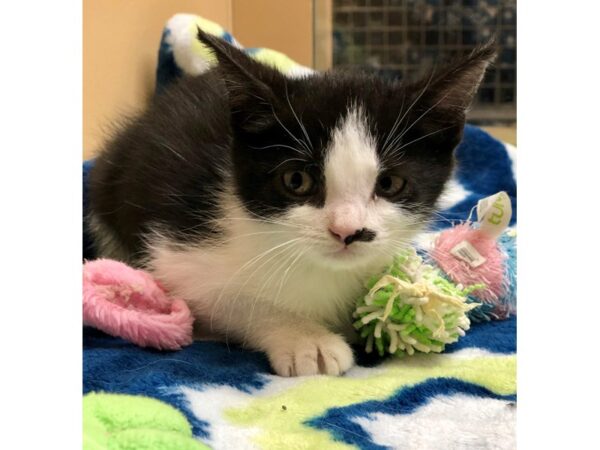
x,y
250,85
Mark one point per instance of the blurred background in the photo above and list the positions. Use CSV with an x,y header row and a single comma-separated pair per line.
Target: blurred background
x,y
396,38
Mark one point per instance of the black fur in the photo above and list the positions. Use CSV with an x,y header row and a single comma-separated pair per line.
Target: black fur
x,y
231,128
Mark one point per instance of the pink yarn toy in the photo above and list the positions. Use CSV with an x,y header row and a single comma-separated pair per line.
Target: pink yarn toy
x,y
490,272
473,255
129,303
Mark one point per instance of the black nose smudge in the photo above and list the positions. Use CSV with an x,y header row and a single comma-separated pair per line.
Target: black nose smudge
x,y
362,235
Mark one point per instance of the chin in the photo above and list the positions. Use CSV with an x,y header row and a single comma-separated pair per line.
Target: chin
x,y
349,258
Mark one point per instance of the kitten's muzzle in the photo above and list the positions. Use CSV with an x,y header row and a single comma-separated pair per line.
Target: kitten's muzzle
x,y
361,235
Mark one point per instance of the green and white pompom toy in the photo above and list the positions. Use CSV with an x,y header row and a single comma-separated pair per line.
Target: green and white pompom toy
x,y
412,307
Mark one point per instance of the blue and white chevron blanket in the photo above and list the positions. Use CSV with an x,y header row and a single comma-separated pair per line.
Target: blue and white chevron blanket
x,y
463,398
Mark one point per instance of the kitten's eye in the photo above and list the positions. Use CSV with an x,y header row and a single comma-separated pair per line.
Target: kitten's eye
x,y
389,185
298,182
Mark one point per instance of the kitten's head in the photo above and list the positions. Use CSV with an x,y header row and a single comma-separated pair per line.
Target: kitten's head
x,y
348,164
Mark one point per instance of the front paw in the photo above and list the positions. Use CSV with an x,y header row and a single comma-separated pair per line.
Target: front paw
x,y
305,355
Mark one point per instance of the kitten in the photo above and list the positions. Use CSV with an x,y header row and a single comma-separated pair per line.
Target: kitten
x,y
266,201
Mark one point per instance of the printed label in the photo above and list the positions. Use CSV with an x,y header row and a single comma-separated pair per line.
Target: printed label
x,y
467,253
494,213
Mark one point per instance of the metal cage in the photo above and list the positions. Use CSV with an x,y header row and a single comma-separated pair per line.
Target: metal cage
x,y
400,38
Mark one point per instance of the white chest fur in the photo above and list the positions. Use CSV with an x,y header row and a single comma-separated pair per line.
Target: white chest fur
x,y
259,266
235,277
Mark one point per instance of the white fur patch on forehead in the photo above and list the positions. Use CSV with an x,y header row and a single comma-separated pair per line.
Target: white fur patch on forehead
x,y
352,164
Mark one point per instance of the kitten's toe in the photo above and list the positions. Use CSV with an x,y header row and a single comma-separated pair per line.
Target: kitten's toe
x,y
335,355
283,364
328,354
306,359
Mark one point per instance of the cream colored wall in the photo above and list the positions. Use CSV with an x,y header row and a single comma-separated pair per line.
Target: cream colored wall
x,y
120,49
284,25
121,37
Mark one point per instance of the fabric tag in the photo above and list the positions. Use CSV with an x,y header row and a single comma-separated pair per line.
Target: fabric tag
x,y
467,253
494,213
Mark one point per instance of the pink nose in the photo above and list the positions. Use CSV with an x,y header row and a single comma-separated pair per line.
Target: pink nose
x,y
343,234
346,224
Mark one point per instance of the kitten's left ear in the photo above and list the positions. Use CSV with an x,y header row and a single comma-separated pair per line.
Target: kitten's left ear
x,y
250,85
450,90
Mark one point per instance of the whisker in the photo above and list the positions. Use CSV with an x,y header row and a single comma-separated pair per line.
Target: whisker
x,y
406,130
409,109
302,152
394,151
172,150
298,141
257,295
250,277
269,221
309,143
246,265
286,161
240,236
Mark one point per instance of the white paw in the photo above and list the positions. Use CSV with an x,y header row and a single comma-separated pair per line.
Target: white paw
x,y
305,355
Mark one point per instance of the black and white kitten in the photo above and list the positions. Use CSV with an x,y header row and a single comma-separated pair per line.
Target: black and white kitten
x,y
266,201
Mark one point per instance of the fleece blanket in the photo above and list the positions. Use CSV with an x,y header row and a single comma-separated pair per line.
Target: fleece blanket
x,y
224,397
